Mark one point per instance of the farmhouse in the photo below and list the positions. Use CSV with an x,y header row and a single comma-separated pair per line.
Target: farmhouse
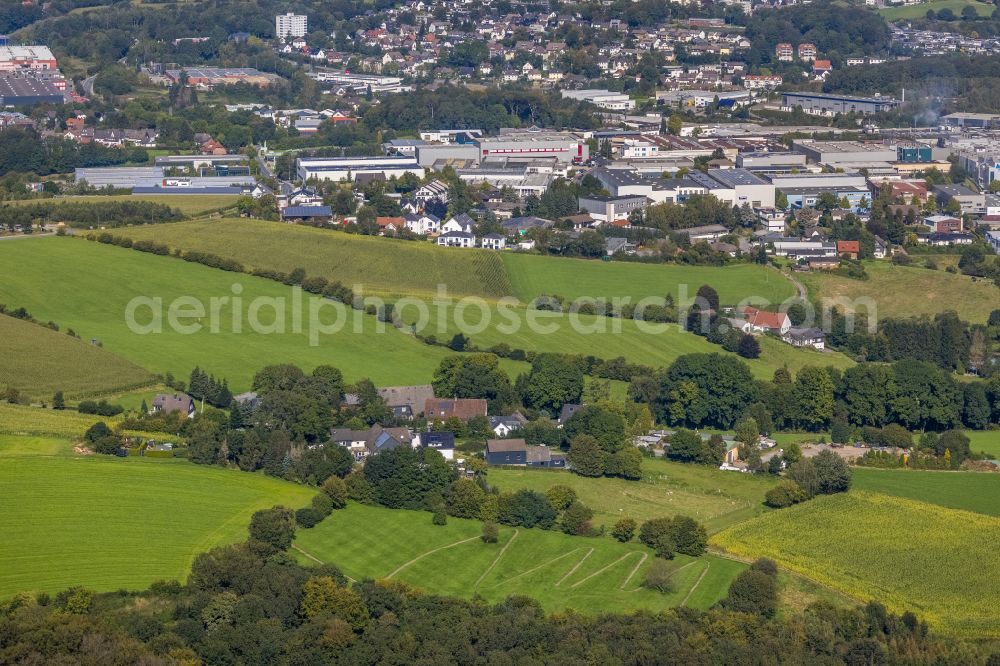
x,y
442,409
173,402
762,321
851,248
805,337
406,402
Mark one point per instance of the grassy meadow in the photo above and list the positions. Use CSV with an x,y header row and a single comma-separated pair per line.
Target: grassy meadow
x,y
109,523
532,275
903,291
713,497
969,491
38,361
987,441
380,265
907,554
105,279
589,575
188,204
919,10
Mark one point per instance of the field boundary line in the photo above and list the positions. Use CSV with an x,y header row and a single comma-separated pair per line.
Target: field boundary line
x,y
696,583
634,571
534,569
429,552
603,569
496,559
575,567
726,555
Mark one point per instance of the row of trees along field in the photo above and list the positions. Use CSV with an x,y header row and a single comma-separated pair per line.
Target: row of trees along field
x,y
253,601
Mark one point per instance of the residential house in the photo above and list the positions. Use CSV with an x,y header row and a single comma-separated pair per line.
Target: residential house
x,y
805,337
248,401
461,222
504,425
493,242
944,239
363,443
442,409
457,239
422,223
167,403
943,224
389,224
407,402
441,441
435,189
852,249
567,412
762,321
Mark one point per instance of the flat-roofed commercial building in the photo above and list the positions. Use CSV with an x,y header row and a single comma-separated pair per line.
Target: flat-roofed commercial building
x,y
828,105
13,58
566,146
349,168
834,152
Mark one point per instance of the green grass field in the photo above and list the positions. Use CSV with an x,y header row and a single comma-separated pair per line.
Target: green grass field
x,y
901,291
532,275
378,265
586,574
985,440
970,491
106,278
716,498
39,361
188,204
111,523
23,420
920,10
906,554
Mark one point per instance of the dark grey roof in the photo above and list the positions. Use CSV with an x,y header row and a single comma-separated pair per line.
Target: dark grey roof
x,y
307,211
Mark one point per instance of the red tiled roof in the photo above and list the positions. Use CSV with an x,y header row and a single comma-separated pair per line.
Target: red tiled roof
x,y
848,247
764,319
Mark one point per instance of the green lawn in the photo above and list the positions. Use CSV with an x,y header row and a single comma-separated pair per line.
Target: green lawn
x,y
920,10
574,278
971,491
985,440
376,265
110,523
902,291
906,554
713,497
589,575
39,361
105,279
188,204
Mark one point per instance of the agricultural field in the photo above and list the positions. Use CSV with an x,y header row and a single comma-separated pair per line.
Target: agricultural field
x,y
188,204
106,279
586,574
903,291
117,523
987,441
715,498
970,491
906,554
22,420
533,275
379,265
38,361
920,10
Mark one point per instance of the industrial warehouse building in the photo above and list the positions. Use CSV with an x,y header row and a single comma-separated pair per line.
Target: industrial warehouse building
x,y
835,152
349,168
828,105
26,90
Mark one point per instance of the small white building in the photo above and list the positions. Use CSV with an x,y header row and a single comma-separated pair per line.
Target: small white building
x,y
457,239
